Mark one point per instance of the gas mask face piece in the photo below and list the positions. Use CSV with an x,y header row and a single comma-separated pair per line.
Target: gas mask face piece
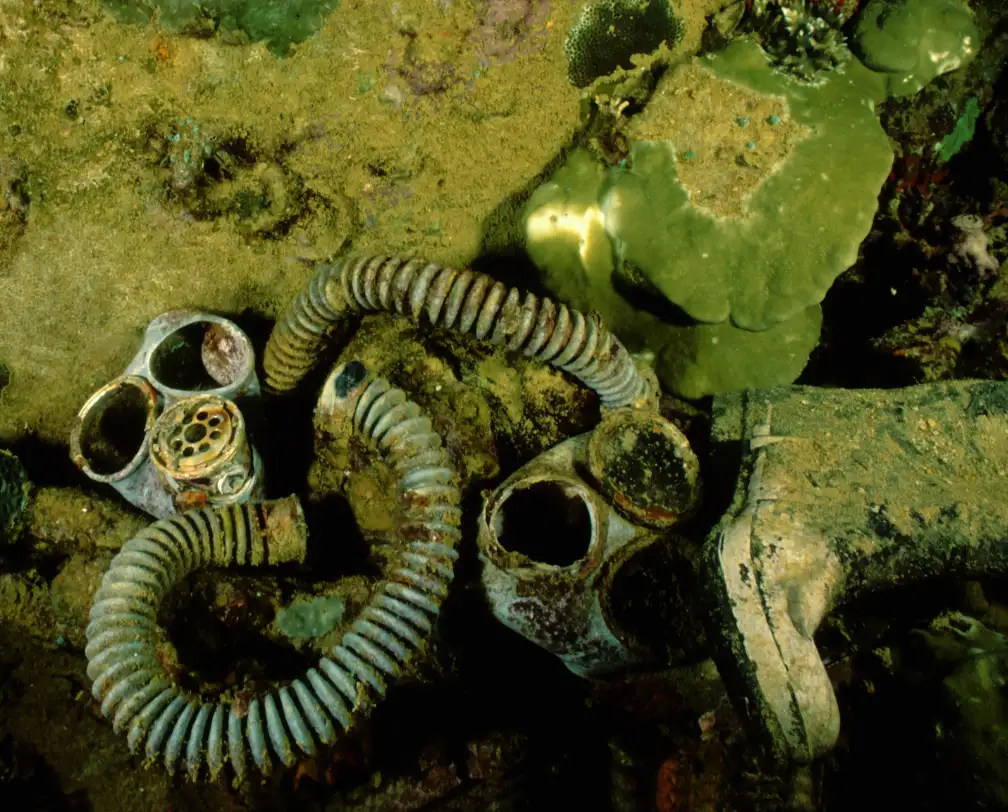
x,y
554,535
167,434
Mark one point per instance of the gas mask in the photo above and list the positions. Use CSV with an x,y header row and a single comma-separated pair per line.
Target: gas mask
x,y
554,535
167,434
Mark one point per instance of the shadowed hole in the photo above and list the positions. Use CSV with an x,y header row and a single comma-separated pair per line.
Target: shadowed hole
x,y
545,523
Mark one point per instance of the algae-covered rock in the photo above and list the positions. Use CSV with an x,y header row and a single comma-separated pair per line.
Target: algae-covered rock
x,y
13,495
314,617
743,196
278,23
911,43
971,711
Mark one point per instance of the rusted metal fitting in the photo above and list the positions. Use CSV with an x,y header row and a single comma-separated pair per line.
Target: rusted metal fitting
x,y
200,448
554,537
842,493
185,353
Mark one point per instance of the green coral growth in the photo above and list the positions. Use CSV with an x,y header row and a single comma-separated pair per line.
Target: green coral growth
x,y
278,23
911,43
803,41
609,32
961,134
742,196
13,495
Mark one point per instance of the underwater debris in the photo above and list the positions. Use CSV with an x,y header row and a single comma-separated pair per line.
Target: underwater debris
x,y
166,433
859,519
552,569
181,728
463,300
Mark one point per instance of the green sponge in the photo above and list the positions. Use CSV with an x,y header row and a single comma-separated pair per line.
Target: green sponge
x,y
913,42
779,189
708,358
743,196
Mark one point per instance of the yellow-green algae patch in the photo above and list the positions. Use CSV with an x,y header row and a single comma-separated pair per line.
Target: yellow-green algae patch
x,y
110,240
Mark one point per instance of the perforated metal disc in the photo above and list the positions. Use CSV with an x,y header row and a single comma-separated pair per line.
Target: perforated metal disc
x,y
194,435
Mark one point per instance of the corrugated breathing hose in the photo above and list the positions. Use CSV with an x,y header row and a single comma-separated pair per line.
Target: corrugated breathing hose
x,y
466,301
141,698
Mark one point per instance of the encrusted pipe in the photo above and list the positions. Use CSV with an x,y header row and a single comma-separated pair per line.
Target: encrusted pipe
x,y
466,301
187,731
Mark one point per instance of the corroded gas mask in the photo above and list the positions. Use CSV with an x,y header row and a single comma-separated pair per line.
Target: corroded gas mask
x,y
555,535
167,433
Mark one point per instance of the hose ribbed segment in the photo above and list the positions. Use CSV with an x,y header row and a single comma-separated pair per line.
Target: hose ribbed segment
x,y
185,730
300,335
462,300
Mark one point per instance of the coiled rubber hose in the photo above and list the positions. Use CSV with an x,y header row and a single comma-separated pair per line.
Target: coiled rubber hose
x,y
463,300
141,698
